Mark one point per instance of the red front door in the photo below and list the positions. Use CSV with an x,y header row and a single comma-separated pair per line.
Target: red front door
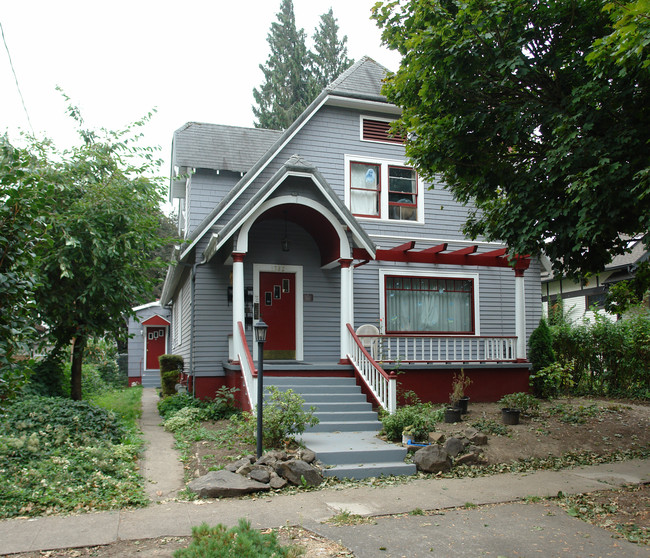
x,y
278,310
156,346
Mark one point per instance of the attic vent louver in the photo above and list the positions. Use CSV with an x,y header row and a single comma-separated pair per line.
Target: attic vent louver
x,y
379,130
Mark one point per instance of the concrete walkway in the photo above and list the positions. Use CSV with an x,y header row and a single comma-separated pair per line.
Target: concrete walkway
x,y
160,464
513,529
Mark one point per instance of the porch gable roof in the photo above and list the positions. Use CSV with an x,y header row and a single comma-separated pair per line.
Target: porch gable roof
x,y
294,166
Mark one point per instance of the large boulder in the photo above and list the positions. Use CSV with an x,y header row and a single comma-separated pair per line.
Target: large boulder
x,y
224,484
432,459
454,446
296,470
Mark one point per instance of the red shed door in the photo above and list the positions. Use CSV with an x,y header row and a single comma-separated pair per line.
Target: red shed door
x,y
278,310
156,345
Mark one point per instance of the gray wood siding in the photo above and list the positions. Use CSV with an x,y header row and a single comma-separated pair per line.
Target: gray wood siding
x,y
207,189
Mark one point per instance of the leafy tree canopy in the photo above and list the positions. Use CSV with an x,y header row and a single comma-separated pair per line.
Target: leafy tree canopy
x,y
102,226
24,192
293,76
535,111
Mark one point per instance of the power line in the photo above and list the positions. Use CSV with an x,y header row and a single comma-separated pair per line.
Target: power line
x,y
2,31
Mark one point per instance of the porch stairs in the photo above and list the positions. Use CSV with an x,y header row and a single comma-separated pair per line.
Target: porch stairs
x,y
151,378
345,440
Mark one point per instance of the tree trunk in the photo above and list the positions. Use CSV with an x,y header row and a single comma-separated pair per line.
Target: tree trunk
x,y
75,371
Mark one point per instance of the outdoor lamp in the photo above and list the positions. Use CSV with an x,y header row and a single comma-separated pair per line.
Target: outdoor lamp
x,y
260,336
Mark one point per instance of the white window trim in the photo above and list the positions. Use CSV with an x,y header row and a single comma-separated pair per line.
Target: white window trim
x,y
297,271
383,272
383,202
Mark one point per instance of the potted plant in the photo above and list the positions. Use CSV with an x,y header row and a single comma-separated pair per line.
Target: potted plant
x,y
457,397
513,404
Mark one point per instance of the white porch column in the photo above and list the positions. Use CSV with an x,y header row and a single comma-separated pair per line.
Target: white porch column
x,y
520,314
347,306
238,309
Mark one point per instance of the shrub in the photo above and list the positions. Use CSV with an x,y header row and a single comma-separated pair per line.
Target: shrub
x,y
170,368
459,384
540,346
284,416
183,419
553,380
102,353
222,406
48,377
525,402
239,542
418,419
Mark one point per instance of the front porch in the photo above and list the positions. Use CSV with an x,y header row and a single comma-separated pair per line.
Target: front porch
x,y
387,366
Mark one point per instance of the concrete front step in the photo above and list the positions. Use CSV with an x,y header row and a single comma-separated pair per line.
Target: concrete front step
x,y
357,455
365,470
342,425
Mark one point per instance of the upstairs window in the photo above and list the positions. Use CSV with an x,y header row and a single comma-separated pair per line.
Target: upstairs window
x,y
365,189
402,194
383,190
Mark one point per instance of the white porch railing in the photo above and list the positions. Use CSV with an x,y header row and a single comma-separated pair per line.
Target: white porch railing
x,y
249,372
382,384
441,348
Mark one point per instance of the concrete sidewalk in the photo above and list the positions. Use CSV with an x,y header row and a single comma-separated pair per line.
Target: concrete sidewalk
x,y
522,529
310,509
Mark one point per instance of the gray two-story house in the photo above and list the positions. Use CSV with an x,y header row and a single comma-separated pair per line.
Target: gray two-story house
x,y
327,234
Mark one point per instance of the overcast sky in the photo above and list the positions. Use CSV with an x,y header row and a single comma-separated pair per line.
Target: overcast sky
x,y
192,60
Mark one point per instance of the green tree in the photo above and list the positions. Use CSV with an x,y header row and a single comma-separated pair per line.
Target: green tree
x,y
102,225
24,192
289,85
501,98
330,54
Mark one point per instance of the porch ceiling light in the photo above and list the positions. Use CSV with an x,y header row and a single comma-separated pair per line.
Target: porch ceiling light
x,y
260,331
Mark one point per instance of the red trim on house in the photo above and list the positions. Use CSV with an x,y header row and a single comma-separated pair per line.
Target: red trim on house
x,y
489,384
156,320
437,255
238,257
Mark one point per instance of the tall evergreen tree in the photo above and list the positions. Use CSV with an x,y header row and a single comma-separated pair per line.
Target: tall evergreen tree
x,y
330,56
288,82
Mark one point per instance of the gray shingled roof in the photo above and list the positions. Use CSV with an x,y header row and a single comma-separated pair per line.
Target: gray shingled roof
x,y
213,146
361,80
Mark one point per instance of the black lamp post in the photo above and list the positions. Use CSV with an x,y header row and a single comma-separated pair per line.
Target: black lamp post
x,y
260,336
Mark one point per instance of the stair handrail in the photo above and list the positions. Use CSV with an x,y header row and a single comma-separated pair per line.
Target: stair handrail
x,y
382,384
249,372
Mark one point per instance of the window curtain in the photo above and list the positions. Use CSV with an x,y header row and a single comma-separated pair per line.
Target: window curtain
x,y
412,308
364,177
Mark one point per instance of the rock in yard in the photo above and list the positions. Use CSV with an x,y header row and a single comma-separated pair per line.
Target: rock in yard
x,y
232,467
224,484
467,459
260,474
307,456
295,471
478,438
454,446
436,438
432,459
277,483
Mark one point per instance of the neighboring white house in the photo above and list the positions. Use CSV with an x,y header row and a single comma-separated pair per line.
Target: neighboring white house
x,y
582,299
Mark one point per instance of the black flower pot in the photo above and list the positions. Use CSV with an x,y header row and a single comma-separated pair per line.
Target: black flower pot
x,y
452,414
510,416
462,403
